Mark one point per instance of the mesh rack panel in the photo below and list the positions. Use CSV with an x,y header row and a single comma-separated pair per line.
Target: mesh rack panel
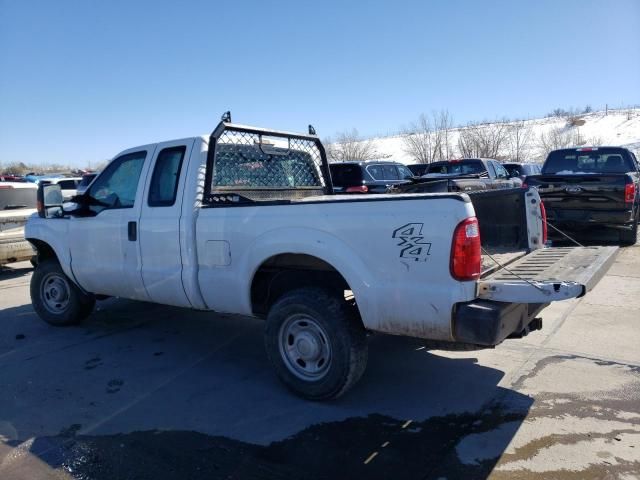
x,y
265,167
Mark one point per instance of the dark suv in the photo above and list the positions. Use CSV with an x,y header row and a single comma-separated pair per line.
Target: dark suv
x,y
367,177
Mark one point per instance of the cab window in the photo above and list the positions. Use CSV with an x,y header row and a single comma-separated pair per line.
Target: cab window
x,y
501,172
116,187
166,173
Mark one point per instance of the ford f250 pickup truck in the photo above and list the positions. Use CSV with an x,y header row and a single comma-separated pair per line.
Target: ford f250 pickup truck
x,y
245,221
590,188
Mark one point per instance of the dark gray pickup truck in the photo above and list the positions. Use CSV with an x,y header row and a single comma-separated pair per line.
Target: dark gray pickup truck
x,y
463,175
589,188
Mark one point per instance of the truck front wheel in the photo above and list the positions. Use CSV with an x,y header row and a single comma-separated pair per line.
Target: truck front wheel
x,y
316,343
56,299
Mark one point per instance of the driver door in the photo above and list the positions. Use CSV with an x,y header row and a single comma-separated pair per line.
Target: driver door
x,y
105,255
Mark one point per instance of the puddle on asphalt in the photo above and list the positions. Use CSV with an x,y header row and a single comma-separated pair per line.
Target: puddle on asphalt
x,y
420,450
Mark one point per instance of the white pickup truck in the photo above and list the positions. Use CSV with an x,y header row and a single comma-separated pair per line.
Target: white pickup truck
x,y
245,221
17,203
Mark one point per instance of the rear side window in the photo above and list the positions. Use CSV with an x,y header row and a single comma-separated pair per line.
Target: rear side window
x,y
344,175
500,170
166,173
597,161
376,171
390,172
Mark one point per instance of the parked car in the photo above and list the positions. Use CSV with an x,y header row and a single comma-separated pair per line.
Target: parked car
x,y
11,178
17,203
234,224
87,178
487,171
591,187
367,177
521,170
68,185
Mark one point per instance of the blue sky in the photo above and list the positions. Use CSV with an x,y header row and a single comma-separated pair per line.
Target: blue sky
x,y
81,80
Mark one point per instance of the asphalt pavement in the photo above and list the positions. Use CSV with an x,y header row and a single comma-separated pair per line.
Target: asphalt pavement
x,y
142,391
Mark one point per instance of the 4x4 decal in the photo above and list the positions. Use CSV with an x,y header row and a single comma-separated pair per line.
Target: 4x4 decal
x,y
412,243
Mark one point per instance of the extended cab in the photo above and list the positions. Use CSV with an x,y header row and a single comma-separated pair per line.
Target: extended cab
x,y
591,188
245,221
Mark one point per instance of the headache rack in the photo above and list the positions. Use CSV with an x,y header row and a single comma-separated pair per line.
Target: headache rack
x,y
250,164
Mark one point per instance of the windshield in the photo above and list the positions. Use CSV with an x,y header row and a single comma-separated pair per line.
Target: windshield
x,y
575,162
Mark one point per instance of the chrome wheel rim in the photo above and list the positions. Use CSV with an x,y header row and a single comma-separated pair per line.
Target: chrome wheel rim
x,y
54,291
304,347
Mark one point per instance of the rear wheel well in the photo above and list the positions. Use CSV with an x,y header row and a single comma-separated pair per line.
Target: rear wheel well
x,y
285,272
43,249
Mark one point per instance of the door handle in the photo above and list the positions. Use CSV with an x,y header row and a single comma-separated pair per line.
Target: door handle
x,y
132,230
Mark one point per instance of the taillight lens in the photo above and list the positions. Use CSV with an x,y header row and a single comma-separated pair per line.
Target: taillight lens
x,y
629,192
543,214
358,189
466,256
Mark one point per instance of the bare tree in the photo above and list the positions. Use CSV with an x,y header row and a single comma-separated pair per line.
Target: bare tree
x,y
483,140
443,122
428,140
349,146
418,140
519,140
554,139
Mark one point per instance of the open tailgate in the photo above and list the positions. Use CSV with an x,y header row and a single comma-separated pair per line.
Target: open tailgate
x,y
548,275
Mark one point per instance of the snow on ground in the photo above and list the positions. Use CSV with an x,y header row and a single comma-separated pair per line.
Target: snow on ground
x,y
616,128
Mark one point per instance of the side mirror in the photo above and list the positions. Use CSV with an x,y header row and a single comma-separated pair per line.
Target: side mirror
x,y
49,200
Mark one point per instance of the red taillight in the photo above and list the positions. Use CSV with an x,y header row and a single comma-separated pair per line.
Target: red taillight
x,y
543,214
466,257
6,186
629,192
358,189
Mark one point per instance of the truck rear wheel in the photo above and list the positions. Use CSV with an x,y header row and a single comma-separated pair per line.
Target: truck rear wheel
x,y
316,343
55,298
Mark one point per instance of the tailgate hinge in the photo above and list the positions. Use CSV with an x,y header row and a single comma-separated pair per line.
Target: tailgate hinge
x,y
520,291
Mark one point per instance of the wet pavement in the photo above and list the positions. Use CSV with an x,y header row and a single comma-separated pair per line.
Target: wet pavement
x,y
142,391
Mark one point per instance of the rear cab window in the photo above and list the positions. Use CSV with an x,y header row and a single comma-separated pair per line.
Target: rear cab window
x,y
586,161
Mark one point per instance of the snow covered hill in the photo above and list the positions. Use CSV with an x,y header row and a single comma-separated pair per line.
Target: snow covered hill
x,y
615,128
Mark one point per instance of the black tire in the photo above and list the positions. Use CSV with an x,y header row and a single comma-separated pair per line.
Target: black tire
x,y
629,237
55,298
330,321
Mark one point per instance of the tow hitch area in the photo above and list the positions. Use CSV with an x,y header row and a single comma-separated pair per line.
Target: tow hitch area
x,y
535,324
